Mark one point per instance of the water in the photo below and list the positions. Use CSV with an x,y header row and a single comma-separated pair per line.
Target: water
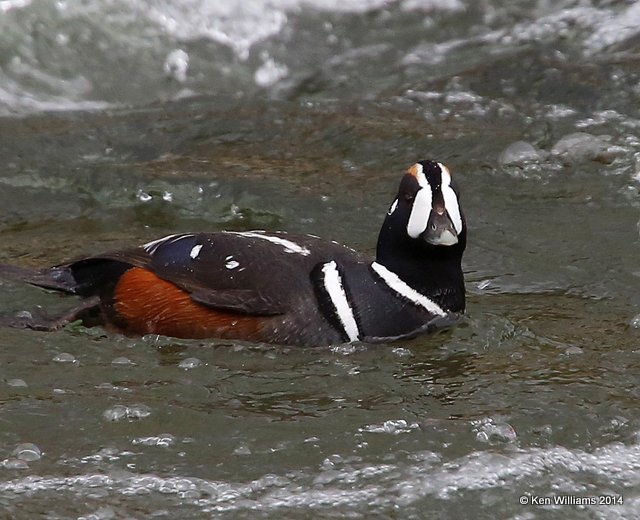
x,y
124,121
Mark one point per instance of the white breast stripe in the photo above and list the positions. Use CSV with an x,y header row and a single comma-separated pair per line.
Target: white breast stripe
x,y
393,207
289,246
450,198
333,285
151,247
400,287
420,212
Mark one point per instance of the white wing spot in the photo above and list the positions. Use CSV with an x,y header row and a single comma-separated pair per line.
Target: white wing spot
x,y
232,264
195,251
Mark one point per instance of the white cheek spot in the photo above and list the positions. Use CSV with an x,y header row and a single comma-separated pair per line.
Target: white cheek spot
x,y
393,207
231,264
195,251
420,212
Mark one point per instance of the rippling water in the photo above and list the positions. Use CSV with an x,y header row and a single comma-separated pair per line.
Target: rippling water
x,y
125,120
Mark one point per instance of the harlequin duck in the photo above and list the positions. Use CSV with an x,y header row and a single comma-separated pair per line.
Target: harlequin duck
x,y
277,287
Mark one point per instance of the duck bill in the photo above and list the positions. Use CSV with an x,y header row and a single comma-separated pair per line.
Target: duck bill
x,y
440,230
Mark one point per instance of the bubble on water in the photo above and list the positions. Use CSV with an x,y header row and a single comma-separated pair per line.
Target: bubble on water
x,y
176,65
115,413
167,196
270,72
103,513
120,412
138,411
517,153
143,196
189,363
347,349
635,321
14,464
392,426
65,357
401,352
495,432
581,146
17,383
483,284
27,452
332,461
122,361
163,440
242,449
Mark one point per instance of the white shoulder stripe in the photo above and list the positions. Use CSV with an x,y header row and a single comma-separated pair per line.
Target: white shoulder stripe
x,y
288,245
333,285
400,287
151,247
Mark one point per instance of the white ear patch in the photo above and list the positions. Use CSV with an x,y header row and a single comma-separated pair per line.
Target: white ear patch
x,y
420,212
450,199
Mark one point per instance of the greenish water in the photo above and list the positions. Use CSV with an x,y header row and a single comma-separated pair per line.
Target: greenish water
x,y
535,394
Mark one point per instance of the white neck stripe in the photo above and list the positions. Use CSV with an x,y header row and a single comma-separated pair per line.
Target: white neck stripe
x,y
397,285
333,285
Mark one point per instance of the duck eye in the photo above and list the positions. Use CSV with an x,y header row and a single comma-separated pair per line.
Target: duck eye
x,y
409,196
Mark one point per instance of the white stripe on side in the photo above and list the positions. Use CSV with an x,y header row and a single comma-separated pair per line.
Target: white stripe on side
x,y
333,285
397,285
450,198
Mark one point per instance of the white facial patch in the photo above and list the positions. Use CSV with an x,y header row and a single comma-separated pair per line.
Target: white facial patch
x,y
420,211
333,285
450,199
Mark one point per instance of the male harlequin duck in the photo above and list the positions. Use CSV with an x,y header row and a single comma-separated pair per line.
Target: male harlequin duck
x,y
277,287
